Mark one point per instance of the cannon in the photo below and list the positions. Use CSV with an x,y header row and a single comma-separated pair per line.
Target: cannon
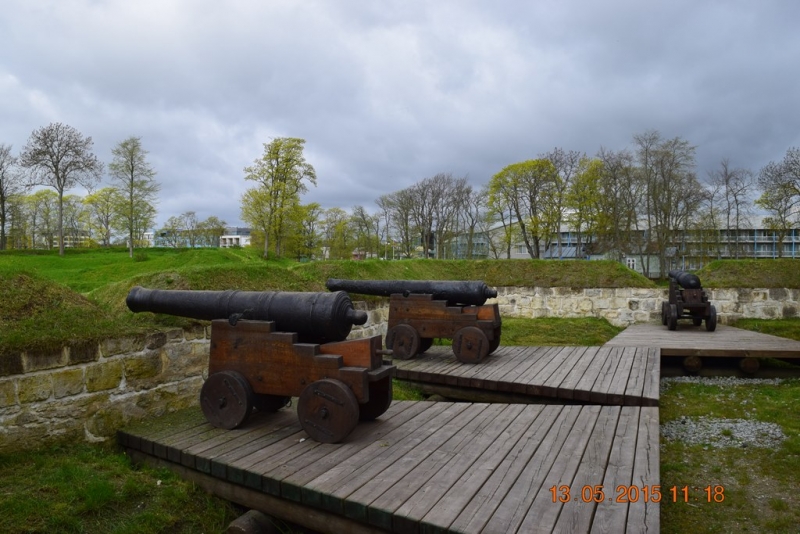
x,y
420,311
267,347
687,300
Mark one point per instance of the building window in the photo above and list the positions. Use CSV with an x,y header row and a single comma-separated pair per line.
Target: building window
x,y
631,263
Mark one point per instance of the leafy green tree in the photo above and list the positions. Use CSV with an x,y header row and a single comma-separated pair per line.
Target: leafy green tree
x,y
281,174
58,156
584,200
339,237
43,210
103,206
134,177
210,230
780,203
529,189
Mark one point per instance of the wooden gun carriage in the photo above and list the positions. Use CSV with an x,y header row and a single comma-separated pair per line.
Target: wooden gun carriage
x,y
687,300
267,347
420,311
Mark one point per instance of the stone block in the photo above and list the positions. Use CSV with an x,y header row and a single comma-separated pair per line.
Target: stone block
x,y
175,335
8,393
83,352
68,382
35,388
124,345
103,376
11,363
194,332
155,340
141,367
41,360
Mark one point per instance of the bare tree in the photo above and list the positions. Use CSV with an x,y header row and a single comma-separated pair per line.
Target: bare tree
x,y
567,165
58,156
671,195
11,183
398,208
735,187
622,191
134,178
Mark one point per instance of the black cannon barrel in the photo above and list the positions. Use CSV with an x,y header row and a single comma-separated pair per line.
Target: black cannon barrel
x,y
316,317
686,280
453,291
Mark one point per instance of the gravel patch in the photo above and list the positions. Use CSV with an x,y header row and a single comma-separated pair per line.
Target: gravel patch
x,y
720,433
716,432
718,381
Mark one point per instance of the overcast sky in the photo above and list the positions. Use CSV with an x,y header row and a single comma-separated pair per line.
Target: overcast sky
x,y
388,93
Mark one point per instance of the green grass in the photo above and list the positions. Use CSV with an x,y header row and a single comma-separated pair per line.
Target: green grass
x,y
553,331
760,485
788,328
92,489
767,273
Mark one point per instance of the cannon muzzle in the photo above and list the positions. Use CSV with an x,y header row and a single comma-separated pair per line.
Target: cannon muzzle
x,y
316,317
454,292
686,280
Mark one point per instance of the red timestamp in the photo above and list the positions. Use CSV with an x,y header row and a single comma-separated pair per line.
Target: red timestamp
x,y
624,494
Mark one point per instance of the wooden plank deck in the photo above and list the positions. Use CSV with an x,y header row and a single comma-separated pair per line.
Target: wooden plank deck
x,y
425,467
625,375
689,340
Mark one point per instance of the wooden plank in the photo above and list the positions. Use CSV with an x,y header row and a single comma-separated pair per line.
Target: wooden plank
x,y
696,341
315,520
543,513
651,391
359,493
554,465
412,495
512,357
513,381
532,373
635,385
292,485
599,390
520,473
554,382
583,389
616,389
644,516
566,390
536,387
610,516
231,438
577,515
530,421
330,488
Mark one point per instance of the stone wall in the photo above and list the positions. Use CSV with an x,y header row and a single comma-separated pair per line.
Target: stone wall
x,y
626,306
87,391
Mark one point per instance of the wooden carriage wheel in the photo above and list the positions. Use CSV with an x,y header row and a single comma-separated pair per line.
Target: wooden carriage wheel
x,y
404,341
470,345
328,410
226,399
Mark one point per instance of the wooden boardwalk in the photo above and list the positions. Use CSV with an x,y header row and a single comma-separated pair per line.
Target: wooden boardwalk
x,y
689,340
603,375
426,467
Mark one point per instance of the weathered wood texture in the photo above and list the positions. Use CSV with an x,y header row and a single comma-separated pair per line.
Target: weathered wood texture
x,y
427,467
689,340
601,375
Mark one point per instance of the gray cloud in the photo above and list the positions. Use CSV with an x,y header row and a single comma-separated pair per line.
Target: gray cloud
x,y
389,93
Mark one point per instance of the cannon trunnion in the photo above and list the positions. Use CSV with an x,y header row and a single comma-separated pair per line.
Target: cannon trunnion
x,y
254,365
420,311
687,300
